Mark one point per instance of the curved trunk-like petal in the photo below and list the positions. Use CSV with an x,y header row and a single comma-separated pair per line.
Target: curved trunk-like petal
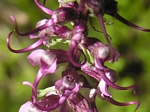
x,y
49,23
29,48
123,104
46,10
104,77
113,52
128,23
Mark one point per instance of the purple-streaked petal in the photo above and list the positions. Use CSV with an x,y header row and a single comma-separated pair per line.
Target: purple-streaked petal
x,y
48,62
51,69
48,103
29,48
88,70
62,55
79,103
64,107
122,104
47,59
35,56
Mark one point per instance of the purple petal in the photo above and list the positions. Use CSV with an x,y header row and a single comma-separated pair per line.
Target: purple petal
x,y
51,69
104,77
49,23
113,52
126,22
35,56
64,107
46,10
50,103
41,33
62,55
79,103
123,104
58,85
31,47
73,46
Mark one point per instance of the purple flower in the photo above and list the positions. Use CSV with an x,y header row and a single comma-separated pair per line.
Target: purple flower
x,y
64,96
46,59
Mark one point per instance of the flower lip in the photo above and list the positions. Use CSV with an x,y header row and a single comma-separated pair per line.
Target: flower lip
x,y
48,57
68,82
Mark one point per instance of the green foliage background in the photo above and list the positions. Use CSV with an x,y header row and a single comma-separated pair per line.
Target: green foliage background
x,y
132,67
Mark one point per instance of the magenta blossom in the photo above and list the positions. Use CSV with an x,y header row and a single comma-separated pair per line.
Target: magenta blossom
x,y
81,57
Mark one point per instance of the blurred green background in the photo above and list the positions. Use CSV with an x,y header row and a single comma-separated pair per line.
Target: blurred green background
x,y
132,67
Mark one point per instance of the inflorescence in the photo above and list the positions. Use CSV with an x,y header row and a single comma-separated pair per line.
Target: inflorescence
x,y
84,59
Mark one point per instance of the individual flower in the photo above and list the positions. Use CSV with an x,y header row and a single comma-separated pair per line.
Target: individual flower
x,y
63,96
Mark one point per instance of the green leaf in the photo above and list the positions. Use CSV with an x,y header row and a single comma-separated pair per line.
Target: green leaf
x,y
43,92
89,56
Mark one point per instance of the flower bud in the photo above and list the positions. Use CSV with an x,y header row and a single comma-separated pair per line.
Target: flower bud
x,y
65,14
100,50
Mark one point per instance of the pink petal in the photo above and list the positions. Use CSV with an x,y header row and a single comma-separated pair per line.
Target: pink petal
x,y
34,57
103,89
25,107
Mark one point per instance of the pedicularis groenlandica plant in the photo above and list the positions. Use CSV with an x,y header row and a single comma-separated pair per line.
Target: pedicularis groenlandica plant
x,y
83,61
